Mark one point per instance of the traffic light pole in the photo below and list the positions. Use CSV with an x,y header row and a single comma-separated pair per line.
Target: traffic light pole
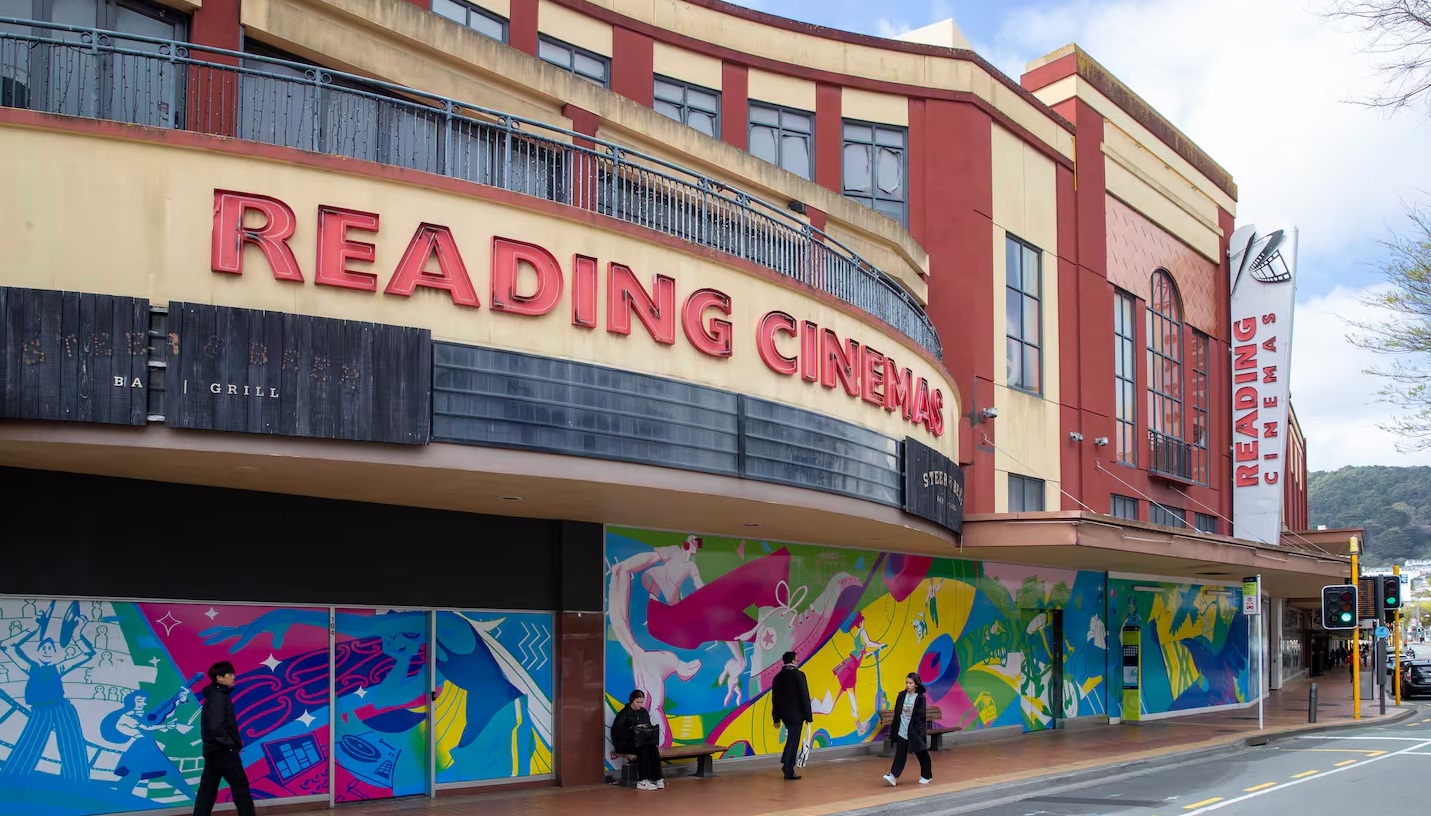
x,y
1396,630
1356,640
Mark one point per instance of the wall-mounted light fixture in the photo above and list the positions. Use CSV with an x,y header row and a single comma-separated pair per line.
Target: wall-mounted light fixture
x,y
797,207
1101,441
1075,436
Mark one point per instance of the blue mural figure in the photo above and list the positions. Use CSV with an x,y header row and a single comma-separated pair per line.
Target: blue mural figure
x,y
50,713
461,658
144,759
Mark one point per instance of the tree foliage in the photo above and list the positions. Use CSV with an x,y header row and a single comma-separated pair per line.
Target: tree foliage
x,y
1404,335
1399,32
1392,503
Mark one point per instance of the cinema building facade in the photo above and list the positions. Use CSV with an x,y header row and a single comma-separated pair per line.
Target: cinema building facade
x,y
455,367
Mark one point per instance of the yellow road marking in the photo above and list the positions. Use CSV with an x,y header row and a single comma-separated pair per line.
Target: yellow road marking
x,y
1375,754
1347,762
1196,805
1263,786
1304,773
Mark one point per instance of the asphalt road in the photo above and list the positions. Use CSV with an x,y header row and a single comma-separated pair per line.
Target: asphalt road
x,y
1366,770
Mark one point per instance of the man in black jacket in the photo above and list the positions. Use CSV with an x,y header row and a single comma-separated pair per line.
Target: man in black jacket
x,y
790,706
222,745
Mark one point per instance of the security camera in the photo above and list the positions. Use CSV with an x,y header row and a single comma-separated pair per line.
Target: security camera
x,y
1101,441
990,413
1075,436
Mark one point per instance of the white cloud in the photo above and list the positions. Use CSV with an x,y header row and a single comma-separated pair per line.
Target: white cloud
x,y
885,27
1336,401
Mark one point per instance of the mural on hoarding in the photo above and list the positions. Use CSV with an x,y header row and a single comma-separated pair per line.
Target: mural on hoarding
x,y
493,711
699,623
1191,639
99,706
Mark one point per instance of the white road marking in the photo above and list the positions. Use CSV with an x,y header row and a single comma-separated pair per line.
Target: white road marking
x,y
1392,739
1358,766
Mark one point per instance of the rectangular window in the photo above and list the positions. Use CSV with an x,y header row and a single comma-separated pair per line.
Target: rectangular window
x,y
1125,507
874,167
784,137
1023,268
1200,382
1206,523
1167,516
478,19
689,104
1125,375
1026,495
588,65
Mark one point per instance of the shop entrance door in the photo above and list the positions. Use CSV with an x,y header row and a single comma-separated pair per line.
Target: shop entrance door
x,y
383,687
1041,678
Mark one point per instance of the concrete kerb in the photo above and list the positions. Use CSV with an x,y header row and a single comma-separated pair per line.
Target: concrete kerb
x,y
949,804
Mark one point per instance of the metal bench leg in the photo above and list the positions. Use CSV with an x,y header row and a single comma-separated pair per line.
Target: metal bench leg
x,y
705,765
936,742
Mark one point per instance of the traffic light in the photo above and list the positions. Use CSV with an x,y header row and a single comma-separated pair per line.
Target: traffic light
x,y
1339,606
1390,592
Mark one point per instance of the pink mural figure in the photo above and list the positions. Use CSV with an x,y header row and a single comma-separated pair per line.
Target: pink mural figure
x,y
847,673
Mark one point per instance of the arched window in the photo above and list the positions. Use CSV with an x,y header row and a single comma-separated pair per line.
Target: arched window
x,y
1165,375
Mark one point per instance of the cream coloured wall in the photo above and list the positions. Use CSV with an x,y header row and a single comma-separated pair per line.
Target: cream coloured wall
x,y
502,7
780,89
401,43
869,106
1134,187
687,66
578,29
147,214
1025,196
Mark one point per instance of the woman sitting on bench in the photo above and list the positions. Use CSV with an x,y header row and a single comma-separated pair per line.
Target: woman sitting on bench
x,y
633,733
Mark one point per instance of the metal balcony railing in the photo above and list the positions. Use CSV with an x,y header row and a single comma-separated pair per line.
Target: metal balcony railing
x,y
1170,456
99,74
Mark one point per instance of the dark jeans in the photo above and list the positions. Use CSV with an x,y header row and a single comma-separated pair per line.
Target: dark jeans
x,y
793,732
648,763
226,765
901,753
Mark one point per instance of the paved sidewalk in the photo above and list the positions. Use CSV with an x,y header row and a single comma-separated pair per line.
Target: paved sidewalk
x,y
756,788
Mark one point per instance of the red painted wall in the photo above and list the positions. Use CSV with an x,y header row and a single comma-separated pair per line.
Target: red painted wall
x,y
632,66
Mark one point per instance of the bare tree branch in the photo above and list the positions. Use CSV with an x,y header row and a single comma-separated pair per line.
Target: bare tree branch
x,y
1400,30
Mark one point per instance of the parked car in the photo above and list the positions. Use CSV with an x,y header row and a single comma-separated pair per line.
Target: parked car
x,y
1416,677
1407,655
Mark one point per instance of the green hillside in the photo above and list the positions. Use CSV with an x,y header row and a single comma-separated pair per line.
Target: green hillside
x,y
1392,503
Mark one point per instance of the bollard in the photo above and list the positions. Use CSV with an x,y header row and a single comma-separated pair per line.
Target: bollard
x,y
1312,705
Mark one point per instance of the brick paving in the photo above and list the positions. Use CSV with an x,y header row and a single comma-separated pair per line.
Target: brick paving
x,y
755,788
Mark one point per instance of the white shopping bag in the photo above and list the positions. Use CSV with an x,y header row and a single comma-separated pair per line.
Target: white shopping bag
x,y
807,736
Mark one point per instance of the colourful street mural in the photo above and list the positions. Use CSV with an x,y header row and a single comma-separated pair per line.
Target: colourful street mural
x,y
115,683
98,710
700,623
1191,641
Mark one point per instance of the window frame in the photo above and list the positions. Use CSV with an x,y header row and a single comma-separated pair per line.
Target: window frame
x,y
780,131
1125,376
574,51
1024,296
1202,522
1200,385
1165,381
1161,513
684,105
1025,484
491,16
1118,501
873,144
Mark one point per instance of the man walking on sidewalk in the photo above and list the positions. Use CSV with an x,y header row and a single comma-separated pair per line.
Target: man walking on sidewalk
x,y
222,745
790,706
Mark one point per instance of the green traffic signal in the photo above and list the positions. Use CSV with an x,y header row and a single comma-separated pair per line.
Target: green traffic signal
x,y
1346,617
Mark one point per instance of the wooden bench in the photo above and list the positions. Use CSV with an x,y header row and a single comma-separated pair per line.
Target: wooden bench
x,y
703,754
932,716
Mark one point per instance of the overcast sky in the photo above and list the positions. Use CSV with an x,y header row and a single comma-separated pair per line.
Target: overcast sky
x,y
1264,87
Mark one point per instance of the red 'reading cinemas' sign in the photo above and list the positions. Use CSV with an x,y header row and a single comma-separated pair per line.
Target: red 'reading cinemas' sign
x,y
787,345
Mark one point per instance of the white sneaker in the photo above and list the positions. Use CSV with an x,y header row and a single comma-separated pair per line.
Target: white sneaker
x,y
924,781
644,785
889,779
660,784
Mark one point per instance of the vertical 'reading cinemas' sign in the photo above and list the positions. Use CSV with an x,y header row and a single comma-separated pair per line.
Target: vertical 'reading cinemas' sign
x,y
1263,267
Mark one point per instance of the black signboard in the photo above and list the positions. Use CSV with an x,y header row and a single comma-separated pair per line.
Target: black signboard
x,y
274,373
933,486
73,357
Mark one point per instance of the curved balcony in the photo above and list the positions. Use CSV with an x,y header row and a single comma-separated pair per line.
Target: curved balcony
x,y
98,74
